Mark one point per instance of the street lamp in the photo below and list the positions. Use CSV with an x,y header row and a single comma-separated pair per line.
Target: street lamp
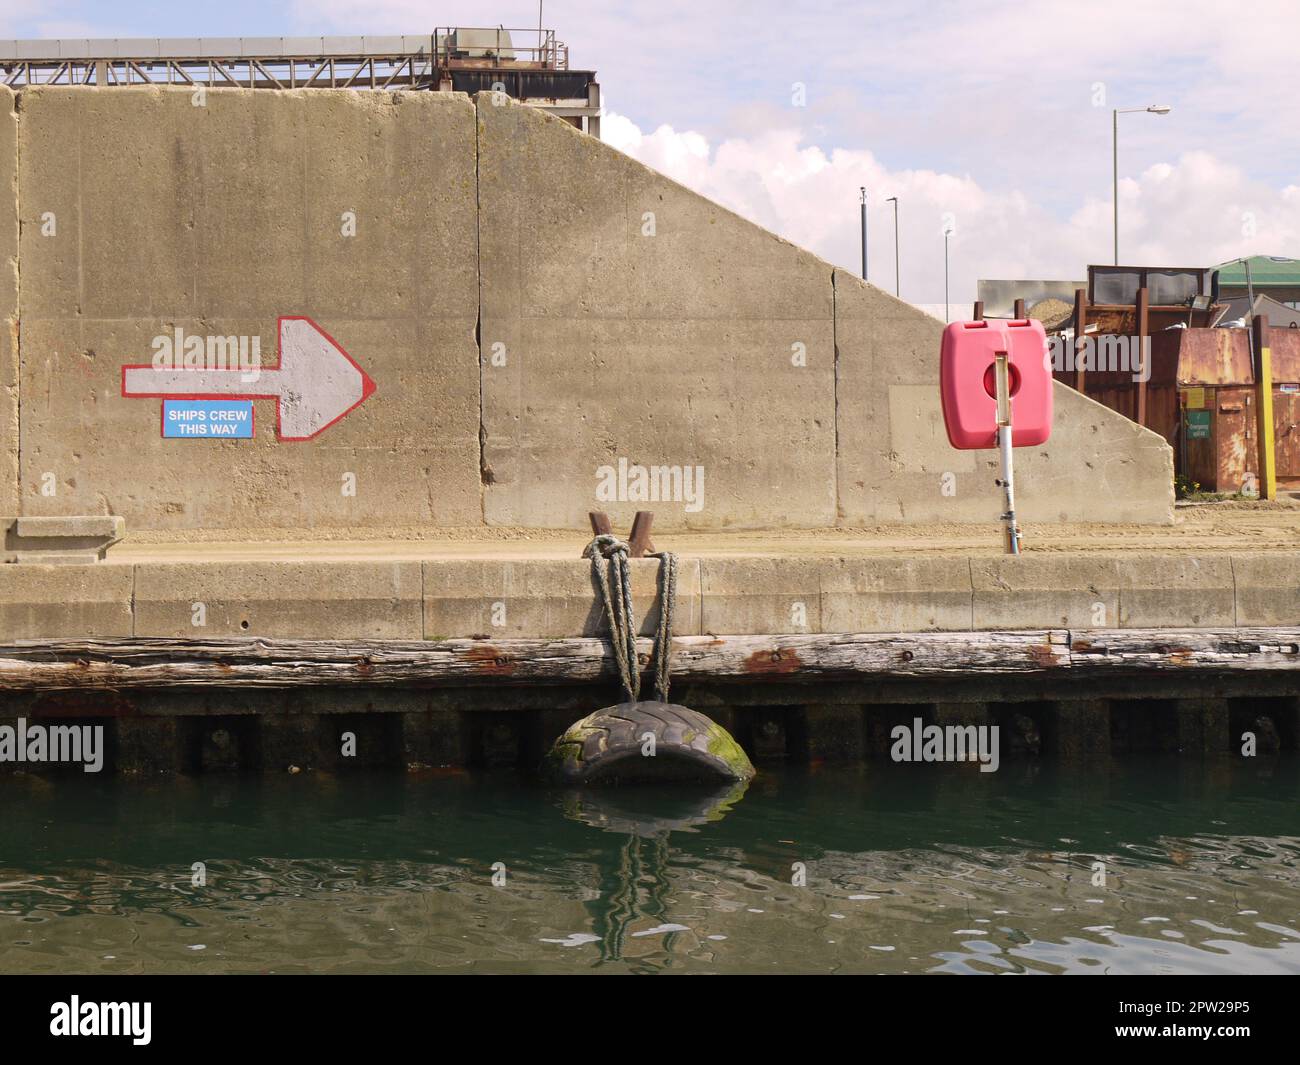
x,y
897,284
947,232
1250,288
863,193
1155,109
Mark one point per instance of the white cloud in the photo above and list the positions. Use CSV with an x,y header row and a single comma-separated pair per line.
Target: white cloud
x,y
994,86
1197,210
988,109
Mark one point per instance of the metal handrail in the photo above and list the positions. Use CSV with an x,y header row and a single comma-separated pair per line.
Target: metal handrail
x,y
548,53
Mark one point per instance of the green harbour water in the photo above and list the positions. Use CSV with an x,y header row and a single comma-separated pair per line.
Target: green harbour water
x,y
879,868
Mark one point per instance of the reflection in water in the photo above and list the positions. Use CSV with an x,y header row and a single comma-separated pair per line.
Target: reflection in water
x,y
909,869
646,815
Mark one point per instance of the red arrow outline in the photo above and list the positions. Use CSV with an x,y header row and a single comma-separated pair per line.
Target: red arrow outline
x,y
367,383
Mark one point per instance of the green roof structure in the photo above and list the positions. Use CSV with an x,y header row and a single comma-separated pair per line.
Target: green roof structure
x,y
1265,271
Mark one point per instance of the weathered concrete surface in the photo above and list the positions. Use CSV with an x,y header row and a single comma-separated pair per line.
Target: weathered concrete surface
x,y
895,462
8,303
1032,591
77,538
1200,590
144,213
1238,529
757,595
409,597
73,527
321,600
1267,589
896,595
623,317
676,349
467,598
37,602
1147,591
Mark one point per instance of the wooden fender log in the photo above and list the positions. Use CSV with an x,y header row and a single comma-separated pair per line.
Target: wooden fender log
x,y
114,664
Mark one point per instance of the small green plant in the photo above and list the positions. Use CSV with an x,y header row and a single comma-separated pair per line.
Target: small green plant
x,y
1190,491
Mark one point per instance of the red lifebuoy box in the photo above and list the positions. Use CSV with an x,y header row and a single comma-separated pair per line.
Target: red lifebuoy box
x,y
967,382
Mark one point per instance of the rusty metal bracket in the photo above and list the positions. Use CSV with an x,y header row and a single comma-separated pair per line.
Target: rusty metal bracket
x,y
638,540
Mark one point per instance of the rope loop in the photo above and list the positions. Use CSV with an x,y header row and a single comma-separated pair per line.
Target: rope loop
x,y
614,579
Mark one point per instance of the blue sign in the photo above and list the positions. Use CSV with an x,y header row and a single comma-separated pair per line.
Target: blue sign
x,y
207,419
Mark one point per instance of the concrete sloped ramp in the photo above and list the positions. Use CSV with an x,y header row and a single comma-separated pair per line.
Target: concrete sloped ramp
x,y
665,328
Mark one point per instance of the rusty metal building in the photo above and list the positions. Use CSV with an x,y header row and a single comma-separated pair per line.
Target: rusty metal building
x,y
1201,390
1213,373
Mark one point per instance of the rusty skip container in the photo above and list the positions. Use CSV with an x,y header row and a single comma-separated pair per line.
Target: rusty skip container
x,y
1217,444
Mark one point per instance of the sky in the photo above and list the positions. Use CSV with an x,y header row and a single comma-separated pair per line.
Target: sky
x,y
991,118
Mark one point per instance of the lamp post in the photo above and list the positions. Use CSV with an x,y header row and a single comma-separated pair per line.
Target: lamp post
x,y
1250,306
897,283
863,194
1261,359
947,232
1155,109
1250,289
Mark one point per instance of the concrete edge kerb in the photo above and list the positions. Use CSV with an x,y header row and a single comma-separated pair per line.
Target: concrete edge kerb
x,y
554,598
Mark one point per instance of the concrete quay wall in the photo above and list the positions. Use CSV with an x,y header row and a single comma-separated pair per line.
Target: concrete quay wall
x,y
537,312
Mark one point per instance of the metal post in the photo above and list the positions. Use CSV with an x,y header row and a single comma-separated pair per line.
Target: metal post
x,y
1264,410
1114,184
1155,109
946,234
1142,314
1002,375
863,191
898,289
1080,336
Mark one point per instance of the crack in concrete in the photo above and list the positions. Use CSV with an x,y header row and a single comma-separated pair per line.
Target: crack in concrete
x,y
16,327
835,401
485,476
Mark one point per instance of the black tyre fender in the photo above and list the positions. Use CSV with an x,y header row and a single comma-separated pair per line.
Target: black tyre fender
x,y
611,745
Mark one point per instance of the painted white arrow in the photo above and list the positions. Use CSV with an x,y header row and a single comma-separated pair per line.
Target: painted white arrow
x,y
316,381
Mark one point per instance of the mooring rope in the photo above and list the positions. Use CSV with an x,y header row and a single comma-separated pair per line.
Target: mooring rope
x,y
615,582
664,637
